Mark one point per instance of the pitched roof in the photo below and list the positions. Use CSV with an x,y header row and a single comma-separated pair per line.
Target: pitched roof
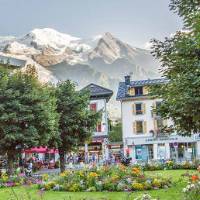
x,y
98,92
123,88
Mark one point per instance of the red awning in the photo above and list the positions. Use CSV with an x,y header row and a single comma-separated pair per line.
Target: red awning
x,y
41,150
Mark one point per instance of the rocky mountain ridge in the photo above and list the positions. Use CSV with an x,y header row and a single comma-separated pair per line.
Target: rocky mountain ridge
x,y
102,60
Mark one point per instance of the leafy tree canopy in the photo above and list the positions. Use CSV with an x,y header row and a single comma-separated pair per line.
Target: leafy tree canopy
x,y
28,114
180,60
76,120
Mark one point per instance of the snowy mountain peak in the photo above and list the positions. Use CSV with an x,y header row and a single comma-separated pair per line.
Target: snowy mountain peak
x,y
48,37
103,59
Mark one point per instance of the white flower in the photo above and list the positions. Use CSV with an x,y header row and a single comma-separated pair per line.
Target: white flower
x,y
184,190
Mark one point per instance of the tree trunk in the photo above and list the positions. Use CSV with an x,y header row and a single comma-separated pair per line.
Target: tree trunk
x,y
62,160
10,158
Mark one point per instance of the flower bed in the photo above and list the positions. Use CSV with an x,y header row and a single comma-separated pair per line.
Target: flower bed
x,y
118,178
17,180
171,165
192,190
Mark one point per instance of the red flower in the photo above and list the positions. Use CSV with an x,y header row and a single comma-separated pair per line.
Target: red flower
x,y
194,178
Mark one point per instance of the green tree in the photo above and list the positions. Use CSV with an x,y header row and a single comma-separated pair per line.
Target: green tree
x,y
28,114
180,60
115,135
76,121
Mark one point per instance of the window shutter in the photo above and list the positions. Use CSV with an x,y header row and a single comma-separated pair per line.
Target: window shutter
x,y
145,127
145,90
154,105
134,109
134,127
131,91
153,108
143,108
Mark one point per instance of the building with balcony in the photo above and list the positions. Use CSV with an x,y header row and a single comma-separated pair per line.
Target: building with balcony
x,y
99,97
144,137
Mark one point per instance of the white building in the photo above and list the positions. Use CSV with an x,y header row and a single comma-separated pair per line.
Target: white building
x,y
142,129
99,97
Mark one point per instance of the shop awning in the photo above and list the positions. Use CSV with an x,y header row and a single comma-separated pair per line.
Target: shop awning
x,y
41,150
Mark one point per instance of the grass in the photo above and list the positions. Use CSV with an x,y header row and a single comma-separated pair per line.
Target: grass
x,y
173,193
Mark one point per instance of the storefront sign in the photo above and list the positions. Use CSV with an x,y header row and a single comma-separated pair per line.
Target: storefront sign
x,y
174,140
161,139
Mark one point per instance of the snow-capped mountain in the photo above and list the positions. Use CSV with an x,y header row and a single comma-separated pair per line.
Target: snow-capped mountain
x,y
103,59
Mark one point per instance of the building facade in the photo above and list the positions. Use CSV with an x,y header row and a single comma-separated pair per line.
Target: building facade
x,y
99,97
144,137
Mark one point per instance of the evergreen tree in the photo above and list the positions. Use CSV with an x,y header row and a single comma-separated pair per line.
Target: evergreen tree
x,y
180,59
76,120
28,116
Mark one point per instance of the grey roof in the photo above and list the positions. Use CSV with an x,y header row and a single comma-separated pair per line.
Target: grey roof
x,y
98,92
123,88
12,61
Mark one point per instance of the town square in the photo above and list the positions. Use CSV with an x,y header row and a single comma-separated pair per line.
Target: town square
x,y
93,117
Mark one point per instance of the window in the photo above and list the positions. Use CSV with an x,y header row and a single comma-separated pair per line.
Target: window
x,y
139,127
138,109
138,91
131,91
93,106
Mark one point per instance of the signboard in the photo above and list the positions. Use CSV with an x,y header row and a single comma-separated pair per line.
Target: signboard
x,y
156,140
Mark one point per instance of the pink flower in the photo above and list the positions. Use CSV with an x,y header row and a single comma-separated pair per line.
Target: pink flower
x,y
9,184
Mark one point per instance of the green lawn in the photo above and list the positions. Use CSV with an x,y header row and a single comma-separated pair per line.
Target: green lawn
x,y
173,193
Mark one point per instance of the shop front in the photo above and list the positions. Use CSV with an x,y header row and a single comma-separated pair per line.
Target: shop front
x,y
144,152
183,151
95,151
163,148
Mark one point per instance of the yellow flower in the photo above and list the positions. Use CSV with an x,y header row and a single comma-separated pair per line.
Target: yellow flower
x,y
156,183
137,186
45,177
115,177
65,173
169,162
136,171
93,174
4,177
49,185
81,174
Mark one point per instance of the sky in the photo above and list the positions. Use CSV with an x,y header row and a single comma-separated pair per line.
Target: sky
x,y
133,21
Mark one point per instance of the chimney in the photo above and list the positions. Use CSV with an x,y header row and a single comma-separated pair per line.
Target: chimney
x,y
127,79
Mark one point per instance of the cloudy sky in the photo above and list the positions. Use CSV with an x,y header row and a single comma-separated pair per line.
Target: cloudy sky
x,y
134,21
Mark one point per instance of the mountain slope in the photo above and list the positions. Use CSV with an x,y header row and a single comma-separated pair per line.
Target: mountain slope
x,y
103,60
